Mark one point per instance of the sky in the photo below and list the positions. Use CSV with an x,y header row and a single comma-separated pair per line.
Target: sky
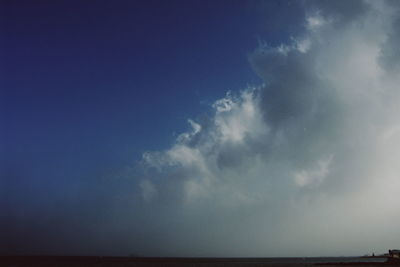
x,y
199,128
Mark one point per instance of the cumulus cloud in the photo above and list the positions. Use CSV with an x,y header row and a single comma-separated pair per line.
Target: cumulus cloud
x,y
305,164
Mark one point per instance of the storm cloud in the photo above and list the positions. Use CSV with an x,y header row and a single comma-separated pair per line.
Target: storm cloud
x,y
305,164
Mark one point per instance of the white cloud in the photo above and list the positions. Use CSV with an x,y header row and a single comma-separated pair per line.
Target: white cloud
x,y
315,175
303,45
315,21
311,157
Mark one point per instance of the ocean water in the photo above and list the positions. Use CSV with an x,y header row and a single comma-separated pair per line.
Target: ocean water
x,y
180,262
249,262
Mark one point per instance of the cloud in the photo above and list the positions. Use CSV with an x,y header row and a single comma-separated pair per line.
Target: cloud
x,y
304,163
314,175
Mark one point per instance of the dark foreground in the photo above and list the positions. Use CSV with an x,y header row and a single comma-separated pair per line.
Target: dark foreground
x,y
24,261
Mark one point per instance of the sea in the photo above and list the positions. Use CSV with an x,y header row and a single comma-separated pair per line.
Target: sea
x,y
189,262
250,262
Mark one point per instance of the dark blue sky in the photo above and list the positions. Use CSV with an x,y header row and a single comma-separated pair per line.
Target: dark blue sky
x,y
88,86
104,82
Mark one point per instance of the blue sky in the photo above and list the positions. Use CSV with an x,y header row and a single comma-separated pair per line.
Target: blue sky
x,y
87,88
95,136
96,85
